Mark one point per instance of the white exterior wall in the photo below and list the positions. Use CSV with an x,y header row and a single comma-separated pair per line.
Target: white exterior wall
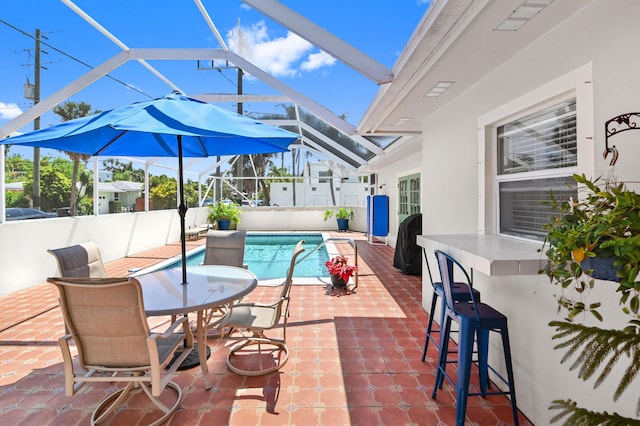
x,y
597,37
23,244
297,219
350,194
388,176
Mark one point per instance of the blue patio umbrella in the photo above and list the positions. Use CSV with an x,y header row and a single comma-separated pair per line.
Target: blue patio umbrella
x,y
171,126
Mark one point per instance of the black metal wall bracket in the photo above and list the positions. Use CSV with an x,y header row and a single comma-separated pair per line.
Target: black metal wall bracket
x,y
619,124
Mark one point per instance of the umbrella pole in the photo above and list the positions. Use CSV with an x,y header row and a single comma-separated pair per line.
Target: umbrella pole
x,y
193,359
182,211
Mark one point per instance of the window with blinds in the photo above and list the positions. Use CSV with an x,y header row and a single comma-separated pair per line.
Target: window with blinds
x,y
531,149
540,141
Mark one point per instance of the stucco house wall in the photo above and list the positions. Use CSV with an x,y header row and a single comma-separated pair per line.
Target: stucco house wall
x,y
593,53
388,172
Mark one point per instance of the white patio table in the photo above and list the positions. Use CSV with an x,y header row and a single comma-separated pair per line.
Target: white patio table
x,y
208,286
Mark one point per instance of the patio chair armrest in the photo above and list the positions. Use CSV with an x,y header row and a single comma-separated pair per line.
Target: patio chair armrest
x,y
241,305
171,330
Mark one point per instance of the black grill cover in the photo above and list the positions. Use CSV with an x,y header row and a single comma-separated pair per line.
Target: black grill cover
x,y
408,256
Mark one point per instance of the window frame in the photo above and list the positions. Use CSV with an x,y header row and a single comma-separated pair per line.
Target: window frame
x,y
538,175
409,196
575,84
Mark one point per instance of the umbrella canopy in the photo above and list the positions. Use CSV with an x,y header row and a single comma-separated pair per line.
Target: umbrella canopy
x,y
149,129
172,126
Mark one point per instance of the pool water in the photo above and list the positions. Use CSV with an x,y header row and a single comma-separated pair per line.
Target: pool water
x,y
269,256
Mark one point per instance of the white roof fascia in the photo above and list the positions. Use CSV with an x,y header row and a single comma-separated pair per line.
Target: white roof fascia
x,y
14,186
61,95
440,26
323,39
109,187
128,186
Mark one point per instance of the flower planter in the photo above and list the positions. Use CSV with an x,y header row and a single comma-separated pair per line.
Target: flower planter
x,y
602,267
343,225
223,224
337,282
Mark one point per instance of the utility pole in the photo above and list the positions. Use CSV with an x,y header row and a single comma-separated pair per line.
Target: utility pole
x,y
202,65
36,126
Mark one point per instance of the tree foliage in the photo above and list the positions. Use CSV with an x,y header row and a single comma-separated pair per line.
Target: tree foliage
x,y
16,199
17,168
69,111
54,185
163,192
123,171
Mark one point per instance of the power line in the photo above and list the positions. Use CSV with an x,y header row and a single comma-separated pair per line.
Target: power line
x,y
74,58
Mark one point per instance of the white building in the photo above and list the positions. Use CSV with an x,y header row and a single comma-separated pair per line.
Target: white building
x,y
118,197
472,72
320,186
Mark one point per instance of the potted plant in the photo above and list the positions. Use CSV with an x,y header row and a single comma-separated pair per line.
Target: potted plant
x,y
604,223
223,214
342,215
340,271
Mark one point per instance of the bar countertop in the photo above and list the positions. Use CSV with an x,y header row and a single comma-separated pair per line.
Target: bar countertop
x,y
489,254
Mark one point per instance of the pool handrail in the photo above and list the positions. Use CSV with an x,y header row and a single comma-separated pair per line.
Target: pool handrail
x,y
338,239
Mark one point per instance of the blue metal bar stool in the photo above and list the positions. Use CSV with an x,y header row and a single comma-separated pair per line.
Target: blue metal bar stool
x,y
473,318
460,294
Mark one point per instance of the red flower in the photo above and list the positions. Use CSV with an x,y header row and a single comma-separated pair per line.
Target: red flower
x,y
338,266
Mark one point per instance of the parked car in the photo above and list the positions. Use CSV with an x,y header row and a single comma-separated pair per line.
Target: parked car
x,y
19,213
252,203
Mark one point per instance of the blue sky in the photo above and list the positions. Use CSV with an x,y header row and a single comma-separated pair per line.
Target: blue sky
x,y
378,28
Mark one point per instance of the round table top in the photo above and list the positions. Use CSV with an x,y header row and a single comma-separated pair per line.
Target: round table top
x,y
207,286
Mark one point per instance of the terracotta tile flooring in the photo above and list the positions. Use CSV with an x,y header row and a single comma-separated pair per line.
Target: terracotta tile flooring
x,y
355,360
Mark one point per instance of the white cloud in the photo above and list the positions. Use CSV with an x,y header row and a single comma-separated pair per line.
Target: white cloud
x,y
9,111
280,56
318,60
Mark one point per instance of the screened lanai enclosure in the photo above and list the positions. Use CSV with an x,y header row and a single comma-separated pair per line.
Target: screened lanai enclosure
x,y
324,167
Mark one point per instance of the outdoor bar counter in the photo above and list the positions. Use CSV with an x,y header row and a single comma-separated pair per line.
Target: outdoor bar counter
x,y
488,254
506,272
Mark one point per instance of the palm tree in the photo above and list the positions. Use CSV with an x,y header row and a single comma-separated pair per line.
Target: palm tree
x,y
69,111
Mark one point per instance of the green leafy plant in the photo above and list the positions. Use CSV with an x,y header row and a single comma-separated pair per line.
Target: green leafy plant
x,y
603,222
224,211
340,213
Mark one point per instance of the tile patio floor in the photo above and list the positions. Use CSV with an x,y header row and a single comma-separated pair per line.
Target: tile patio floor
x,y
355,360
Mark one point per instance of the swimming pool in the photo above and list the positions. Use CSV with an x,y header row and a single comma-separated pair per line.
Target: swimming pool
x,y
268,256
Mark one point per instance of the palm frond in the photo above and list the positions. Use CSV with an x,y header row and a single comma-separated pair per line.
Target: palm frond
x,y
600,350
576,416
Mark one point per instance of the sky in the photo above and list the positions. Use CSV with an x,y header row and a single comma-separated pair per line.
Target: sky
x,y
379,28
